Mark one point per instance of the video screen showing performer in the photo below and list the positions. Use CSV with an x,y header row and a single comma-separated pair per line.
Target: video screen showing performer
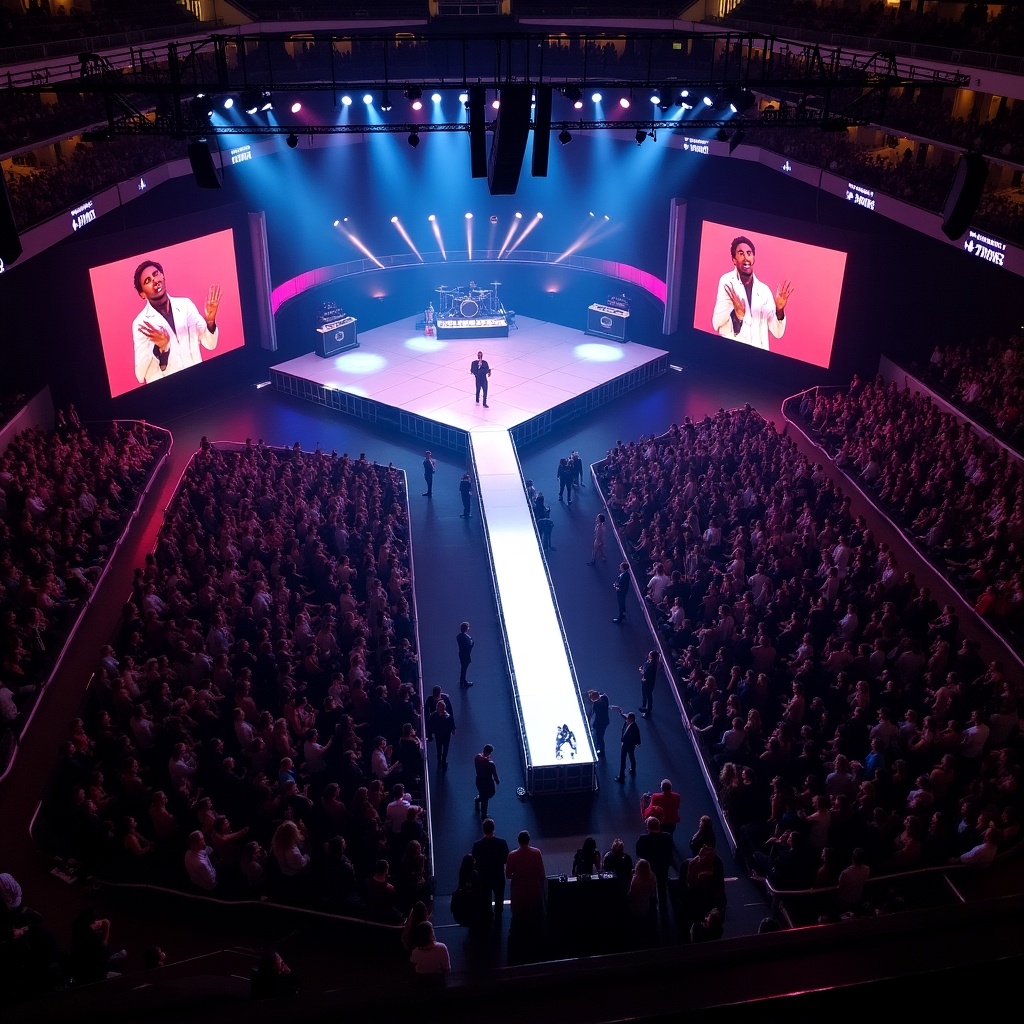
x,y
190,310
778,295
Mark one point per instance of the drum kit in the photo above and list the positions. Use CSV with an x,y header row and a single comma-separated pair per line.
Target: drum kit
x,y
467,303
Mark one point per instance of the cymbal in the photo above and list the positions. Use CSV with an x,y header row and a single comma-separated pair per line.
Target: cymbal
x,y
495,283
441,289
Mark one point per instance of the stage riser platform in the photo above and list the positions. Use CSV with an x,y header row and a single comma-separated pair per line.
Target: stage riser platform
x,y
437,434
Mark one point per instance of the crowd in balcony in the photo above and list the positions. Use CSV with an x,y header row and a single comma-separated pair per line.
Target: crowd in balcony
x,y
847,721
253,729
972,29
986,379
959,497
66,496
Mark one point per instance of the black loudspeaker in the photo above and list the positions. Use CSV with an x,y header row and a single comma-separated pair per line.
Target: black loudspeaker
x,y
203,168
477,131
541,131
10,243
508,147
964,195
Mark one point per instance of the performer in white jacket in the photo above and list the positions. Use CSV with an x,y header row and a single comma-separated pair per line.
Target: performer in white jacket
x,y
745,308
168,331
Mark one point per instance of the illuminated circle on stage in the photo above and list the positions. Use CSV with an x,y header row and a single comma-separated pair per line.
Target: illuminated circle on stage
x,y
420,343
595,352
360,362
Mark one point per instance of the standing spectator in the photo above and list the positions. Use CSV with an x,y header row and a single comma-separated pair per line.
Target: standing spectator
x,y
486,778
525,870
621,587
564,477
429,468
630,740
655,847
599,718
648,677
664,806
441,726
466,644
465,490
600,528
491,853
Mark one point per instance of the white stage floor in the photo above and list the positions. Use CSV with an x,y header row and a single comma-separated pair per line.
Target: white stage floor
x,y
538,367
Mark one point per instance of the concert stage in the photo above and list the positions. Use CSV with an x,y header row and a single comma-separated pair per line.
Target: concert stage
x,y
542,375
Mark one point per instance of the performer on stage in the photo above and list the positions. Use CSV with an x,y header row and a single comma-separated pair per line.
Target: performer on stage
x,y
481,371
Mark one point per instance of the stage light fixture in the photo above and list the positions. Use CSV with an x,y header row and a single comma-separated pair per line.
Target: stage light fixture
x,y
385,101
496,103
624,103
414,139
435,98
737,138
346,100
469,216
296,107
266,101
367,99
228,102
656,97
414,94
250,101
708,101
641,135
595,97
572,93
201,107
292,140
463,98
564,137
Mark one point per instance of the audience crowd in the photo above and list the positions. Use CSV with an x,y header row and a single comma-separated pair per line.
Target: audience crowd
x,y
961,498
66,496
253,728
972,30
986,381
845,718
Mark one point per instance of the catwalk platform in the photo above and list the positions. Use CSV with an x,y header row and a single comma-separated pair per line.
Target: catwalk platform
x,y
542,375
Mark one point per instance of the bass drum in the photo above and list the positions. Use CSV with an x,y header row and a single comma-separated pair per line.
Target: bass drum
x,y
469,308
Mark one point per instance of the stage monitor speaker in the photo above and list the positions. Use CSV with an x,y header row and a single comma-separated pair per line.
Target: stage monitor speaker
x,y
508,147
203,168
477,131
10,242
541,131
964,195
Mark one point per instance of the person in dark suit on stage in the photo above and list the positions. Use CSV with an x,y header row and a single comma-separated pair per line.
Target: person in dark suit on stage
x,y
481,371
465,490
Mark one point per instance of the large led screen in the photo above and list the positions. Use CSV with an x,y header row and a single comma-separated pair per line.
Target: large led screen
x,y
167,309
768,292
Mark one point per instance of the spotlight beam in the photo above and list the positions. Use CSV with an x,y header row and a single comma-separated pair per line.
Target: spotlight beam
x,y
508,238
436,228
362,248
405,235
529,227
